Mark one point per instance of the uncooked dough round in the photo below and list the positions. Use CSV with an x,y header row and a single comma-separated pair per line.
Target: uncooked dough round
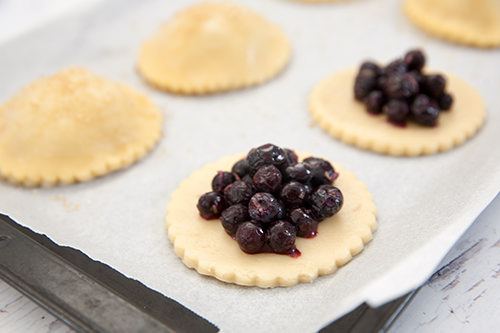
x,y
469,22
74,126
213,47
206,247
334,108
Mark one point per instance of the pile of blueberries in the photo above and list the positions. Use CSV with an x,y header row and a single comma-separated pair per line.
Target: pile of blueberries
x,y
402,91
269,198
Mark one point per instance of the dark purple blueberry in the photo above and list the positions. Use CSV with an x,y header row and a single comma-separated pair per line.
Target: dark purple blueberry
x,y
382,82
434,85
419,77
305,225
414,60
250,237
267,179
424,110
281,237
363,85
294,194
264,155
210,205
374,101
397,66
282,212
371,66
239,192
300,172
233,216
263,207
325,201
322,171
248,179
397,111
241,168
291,157
401,86
221,180
445,101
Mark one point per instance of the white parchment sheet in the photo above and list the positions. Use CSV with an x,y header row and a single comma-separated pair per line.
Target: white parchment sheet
x,y
424,203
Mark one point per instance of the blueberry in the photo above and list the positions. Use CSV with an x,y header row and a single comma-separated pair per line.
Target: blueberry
x,y
325,201
397,66
397,111
221,180
241,168
300,172
239,192
233,216
210,205
282,212
414,60
424,110
382,83
434,85
250,237
322,171
363,85
281,237
265,155
371,66
401,86
306,226
294,194
267,179
291,156
374,101
445,101
263,207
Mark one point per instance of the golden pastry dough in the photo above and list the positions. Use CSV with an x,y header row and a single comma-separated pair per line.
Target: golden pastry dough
x,y
213,47
74,126
469,22
334,108
206,247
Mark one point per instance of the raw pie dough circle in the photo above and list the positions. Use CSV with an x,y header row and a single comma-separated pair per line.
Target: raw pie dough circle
x,y
469,22
206,247
333,106
213,47
74,126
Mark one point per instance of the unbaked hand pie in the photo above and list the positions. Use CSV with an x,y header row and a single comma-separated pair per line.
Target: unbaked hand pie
x,y
74,126
469,22
213,47
267,219
401,109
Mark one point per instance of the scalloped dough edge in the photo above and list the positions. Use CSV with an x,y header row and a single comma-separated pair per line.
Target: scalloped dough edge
x,y
231,274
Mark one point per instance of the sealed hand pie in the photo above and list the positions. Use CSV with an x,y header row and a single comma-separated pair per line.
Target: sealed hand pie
x,y
74,126
282,221
213,47
469,22
400,109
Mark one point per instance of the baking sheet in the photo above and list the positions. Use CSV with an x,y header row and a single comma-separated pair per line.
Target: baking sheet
x,y
424,203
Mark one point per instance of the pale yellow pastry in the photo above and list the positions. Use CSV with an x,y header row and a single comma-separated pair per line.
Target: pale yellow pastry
x,y
469,22
74,126
206,247
334,108
213,47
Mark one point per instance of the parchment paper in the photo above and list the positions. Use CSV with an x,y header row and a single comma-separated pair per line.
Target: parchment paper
x,y
424,203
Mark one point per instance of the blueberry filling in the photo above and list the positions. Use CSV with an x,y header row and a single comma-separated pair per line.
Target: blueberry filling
x,y
402,91
270,198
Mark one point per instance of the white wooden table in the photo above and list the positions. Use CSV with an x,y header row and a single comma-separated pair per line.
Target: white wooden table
x,y
461,296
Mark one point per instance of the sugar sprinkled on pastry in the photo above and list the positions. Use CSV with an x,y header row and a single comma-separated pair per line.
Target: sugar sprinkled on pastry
x,y
469,22
296,219
400,109
213,47
74,126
